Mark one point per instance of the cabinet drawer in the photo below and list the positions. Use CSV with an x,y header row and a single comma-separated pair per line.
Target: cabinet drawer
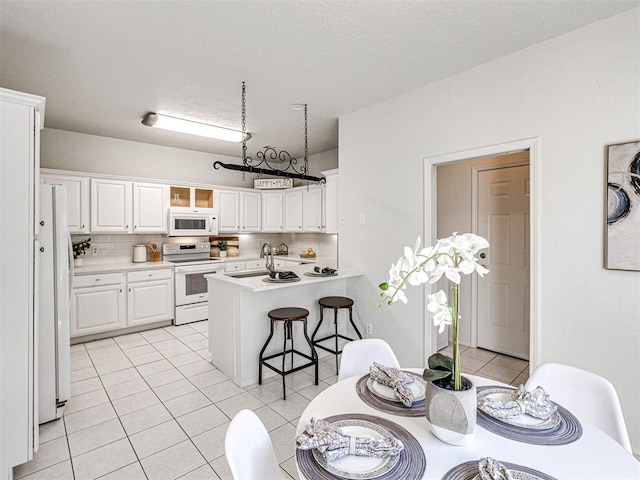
x,y
255,264
234,266
96,280
144,275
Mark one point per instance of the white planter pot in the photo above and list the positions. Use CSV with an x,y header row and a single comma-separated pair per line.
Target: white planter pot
x,y
223,253
77,262
452,414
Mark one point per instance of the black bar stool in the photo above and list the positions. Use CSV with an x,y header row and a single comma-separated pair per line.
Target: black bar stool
x,y
336,303
288,315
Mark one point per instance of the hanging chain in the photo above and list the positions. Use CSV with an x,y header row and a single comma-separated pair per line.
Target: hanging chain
x,y
244,129
306,145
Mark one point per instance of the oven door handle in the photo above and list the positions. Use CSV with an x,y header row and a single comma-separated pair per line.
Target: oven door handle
x,y
194,269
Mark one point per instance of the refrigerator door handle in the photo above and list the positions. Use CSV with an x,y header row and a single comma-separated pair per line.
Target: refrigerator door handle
x,y
71,269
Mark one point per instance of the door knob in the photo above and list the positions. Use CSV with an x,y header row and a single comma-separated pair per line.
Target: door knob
x,y
483,255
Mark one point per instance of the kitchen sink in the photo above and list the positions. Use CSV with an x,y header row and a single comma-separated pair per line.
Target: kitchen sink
x,y
250,273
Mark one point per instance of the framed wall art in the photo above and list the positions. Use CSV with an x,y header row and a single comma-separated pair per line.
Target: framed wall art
x,y
622,251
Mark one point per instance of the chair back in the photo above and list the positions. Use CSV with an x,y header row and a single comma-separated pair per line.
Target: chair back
x,y
588,396
249,450
359,355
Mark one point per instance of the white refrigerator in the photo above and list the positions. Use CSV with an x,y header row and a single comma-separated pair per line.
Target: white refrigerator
x,y
56,274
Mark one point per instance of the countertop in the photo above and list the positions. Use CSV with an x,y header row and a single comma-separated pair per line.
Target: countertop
x,y
255,284
293,257
120,267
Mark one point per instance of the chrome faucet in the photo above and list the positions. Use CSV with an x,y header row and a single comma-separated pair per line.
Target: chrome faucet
x,y
269,252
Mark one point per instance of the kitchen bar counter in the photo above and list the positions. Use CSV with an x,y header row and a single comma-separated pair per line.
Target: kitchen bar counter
x,y
120,267
238,322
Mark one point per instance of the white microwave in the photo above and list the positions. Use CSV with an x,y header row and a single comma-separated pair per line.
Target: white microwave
x,y
192,224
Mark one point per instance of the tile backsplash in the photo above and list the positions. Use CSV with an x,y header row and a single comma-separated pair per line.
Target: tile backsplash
x,y
119,248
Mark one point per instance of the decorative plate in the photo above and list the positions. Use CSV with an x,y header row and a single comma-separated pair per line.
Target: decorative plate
x,y
316,274
411,465
359,467
524,421
278,280
387,393
567,431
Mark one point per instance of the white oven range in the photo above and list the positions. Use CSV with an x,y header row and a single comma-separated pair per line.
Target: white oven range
x,y
192,263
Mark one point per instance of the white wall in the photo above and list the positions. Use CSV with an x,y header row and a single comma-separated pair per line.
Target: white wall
x,y
577,93
90,153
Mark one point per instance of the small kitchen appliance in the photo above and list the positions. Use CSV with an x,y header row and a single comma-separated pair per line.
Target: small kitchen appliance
x,y
193,223
192,263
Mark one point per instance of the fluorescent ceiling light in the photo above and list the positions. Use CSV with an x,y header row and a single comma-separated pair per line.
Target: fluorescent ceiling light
x,y
193,128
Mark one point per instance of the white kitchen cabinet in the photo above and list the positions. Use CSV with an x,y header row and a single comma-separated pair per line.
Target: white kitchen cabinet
x,y
272,209
312,218
256,264
21,119
229,211
99,304
239,211
331,201
234,266
149,208
149,296
111,206
77,199
250,212
293,210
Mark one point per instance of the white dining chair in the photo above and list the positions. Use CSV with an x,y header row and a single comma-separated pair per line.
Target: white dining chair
x,y
249,450
588,396
359,355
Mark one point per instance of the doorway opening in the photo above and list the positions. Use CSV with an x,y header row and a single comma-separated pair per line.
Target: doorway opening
x,y
489,191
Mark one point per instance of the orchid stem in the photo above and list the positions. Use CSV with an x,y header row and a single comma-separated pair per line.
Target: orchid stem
x,y
455,301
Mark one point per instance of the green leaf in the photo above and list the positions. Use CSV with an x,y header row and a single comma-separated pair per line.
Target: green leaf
x,y
440,362
384,286
431,375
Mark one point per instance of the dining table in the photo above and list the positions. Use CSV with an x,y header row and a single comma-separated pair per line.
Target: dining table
x,y
585,453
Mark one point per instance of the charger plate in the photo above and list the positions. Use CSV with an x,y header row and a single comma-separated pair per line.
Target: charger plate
x,y
410,464
469,471
316,274
568,430
359,467
525,421
390,406
278,280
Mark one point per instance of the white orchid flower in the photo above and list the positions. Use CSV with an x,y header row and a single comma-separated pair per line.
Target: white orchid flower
x,y
437,305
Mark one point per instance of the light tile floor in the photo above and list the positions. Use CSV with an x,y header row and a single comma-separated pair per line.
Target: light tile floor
x,y
149,405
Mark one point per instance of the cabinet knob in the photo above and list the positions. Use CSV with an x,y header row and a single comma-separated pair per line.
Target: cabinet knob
x,y
126,227
42,249
83,226
129,290
42,223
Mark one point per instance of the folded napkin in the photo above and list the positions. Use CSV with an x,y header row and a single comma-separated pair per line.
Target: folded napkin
x,y
325,270
491,469
333,444
283,275
535,403
394,378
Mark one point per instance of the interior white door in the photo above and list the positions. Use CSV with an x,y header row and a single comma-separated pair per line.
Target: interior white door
x,y
503,294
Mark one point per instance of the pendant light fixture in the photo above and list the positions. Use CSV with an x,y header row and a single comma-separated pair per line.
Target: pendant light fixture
x,y
194,128
269,157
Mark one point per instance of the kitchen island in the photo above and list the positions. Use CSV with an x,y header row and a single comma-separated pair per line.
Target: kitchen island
x,y
238,322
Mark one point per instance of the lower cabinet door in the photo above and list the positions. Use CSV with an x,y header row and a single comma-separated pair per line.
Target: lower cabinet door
x,y
98,309
150,302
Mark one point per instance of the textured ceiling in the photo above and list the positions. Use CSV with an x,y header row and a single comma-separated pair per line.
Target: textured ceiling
x,y
103,65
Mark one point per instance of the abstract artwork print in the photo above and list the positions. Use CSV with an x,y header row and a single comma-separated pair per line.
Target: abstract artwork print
x,y
623,207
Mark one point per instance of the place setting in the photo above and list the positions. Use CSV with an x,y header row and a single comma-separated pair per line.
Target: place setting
x,y
526,416
322,272
358,446
392,390
488,468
